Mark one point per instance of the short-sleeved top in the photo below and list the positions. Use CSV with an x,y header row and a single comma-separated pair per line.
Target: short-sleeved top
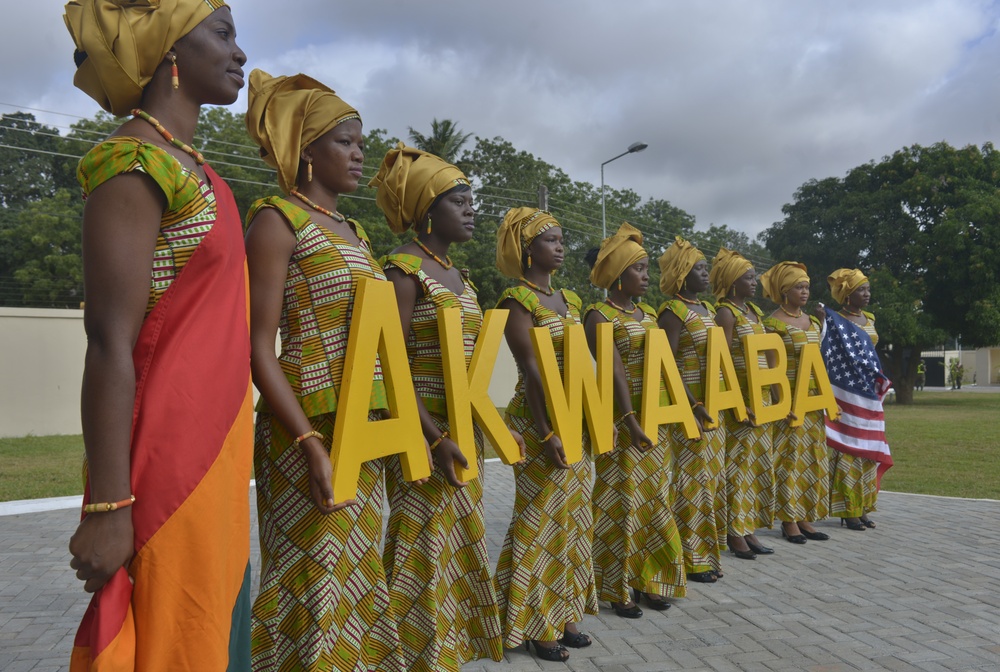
x,y
190,213
316,308
630,341
869,326
692,347
744,327
423,343
794,338
541,317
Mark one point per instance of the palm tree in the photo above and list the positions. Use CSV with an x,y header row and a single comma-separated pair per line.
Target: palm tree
x,y
445,140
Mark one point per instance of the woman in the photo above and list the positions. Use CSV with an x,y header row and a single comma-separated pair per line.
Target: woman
x,y
166,387
801,464
699,502
323,601
636,545
542,591
854,479
435,554
749,464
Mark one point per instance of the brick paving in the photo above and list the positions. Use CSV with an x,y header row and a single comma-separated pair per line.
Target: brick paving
x,y
920,592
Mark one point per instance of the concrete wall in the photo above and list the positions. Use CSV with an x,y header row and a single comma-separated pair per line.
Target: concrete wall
x,y
41,366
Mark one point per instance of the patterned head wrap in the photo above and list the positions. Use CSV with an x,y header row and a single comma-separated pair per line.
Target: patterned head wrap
x,y
844,281
618,252
676,263
285,114
520,226
727,268
781,277
408,183
121,43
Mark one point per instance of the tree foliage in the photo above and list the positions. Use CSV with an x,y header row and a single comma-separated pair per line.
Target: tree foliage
x,y
445,140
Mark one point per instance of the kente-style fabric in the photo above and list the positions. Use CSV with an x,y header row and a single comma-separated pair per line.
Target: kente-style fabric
x,y
727,267
519,227
318,298
408,182
617,253
191,209
699,502
323,601
545,576
749,459
843,282
801,463
636,542
287,114
184,602
435,557
123,42
781,277
853,479
675,264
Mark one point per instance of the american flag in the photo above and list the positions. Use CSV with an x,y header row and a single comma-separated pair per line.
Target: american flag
x,y
859,387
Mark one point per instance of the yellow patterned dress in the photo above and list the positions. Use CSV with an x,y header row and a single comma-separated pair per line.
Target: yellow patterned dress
x,y
636,543
749,459
699,502
435,551
545,577
801,462
854,480
323,602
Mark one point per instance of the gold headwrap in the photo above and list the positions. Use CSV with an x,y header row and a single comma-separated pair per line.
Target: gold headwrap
x,y
676,263
781,277
123,42
285,114
618,252
727,268
408,183
520,226
844,281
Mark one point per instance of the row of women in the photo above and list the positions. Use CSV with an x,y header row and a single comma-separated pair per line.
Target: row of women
x,y
182,309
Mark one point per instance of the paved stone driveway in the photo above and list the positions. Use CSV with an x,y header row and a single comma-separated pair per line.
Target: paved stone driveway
x,y
920,592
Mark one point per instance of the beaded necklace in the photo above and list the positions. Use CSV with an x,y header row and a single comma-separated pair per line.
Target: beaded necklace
x,y
335,216
627,311
447,264
693,302
847,310
732,304
546,292
184,147
798,314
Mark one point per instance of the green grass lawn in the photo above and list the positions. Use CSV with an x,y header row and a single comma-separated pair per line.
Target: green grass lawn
x,y
945,443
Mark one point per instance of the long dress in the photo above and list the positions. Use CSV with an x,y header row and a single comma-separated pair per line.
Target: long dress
x,y
699,502
801,462
191,436
749,459
636,543
435,554
853,479
545,576
323,602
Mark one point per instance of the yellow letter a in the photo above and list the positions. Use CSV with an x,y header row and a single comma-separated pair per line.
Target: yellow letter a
x,y
659,367
811,367
758,378
719,364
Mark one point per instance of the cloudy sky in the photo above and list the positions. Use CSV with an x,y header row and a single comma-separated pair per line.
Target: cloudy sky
x,y
740,102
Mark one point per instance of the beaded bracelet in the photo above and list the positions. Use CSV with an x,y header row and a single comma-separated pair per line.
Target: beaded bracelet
x,y
437,441
548,436
625,415
307,435
104,507
696,405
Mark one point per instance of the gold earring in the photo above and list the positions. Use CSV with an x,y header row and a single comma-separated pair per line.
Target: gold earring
x,y
309,172
529,259
429,225
619,284
174,79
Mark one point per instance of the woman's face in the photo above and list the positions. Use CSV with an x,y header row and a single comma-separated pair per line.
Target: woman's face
x,y
697,277
746,285
209,61
338,157
798,294
547,250
453,216
860,297
635,278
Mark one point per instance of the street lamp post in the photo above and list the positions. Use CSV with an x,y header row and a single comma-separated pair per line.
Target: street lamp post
x,y
632,149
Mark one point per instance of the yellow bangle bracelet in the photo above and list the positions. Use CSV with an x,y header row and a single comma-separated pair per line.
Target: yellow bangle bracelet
x,y
625,415
437,441
548,436
104,507
307,435
696,404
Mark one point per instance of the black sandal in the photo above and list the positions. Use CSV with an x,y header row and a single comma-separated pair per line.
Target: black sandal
x,y
703,577
653,601
868,522
578,640
858,525
554,653
626,612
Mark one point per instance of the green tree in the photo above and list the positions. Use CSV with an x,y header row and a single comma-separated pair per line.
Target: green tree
x,y
445,140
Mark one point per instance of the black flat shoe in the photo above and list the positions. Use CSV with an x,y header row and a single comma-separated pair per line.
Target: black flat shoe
x,y
578,640
556,653
857,526
759,550
794,538
743,555
627,612
868,522
703,577
652,601
815,536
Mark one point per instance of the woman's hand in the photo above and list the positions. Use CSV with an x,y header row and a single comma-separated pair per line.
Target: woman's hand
x,y
519,440
820,311
702,416
751,420
637,437
554,451
321,476
445,456
103,543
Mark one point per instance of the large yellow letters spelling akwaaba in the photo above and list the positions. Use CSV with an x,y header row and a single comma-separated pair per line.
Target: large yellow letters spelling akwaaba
x,y
772,378
720,366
